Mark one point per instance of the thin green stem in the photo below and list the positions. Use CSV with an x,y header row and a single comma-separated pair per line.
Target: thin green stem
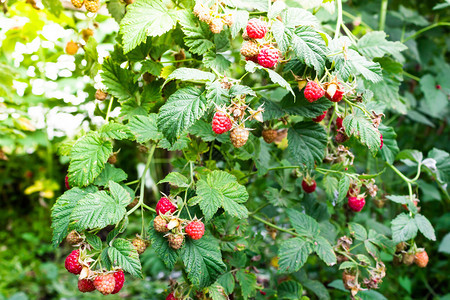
x,y
382,21
109,109
349,15
419,32
132,182
271,169
411,76
178,61
360,107
148,208
142,190
274,226
339,19
184,204
271,86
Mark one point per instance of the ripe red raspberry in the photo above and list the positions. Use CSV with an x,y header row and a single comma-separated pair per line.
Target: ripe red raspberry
x,y
74,238
171,296
160,224
256,29
105,284
249,49
268,57
66,182
313,91
416,202
334,92
175,240
421,259
86,286
140,244
381,139
72,264
239,136
310,186
195,230
438,86
120,279
221,123
356,203
164,205
320,118
339,121
269,135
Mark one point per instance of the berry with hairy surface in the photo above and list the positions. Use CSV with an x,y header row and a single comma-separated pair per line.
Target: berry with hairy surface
x,y
74,238
77,3
164,205
356,203
216,25
100,95
140,245
268,57
72,264
160,224
119,276
86,285
421,259
250,49
221,123
269,135
195,230
92,5
313,91
256,29
239,136
71,48
175,240
105,284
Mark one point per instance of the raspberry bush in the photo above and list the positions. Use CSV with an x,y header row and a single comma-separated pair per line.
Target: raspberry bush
x,y
246,150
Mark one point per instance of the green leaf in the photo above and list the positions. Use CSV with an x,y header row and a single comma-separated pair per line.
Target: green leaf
x,y
110,173
444,246
410,154
181,110
97,210
358,231
398,199
61,211
117,9
293,254
302,223
274,76
180,144
275,9
94,241
119,193
216,60
425,227
203,260
324,250
220,189
239,90
184,74
216,292
442,159
282,35
240,20
122,253
359,126
390,147
145,18
145,128
216,94
310,48
374,44
106,262
87,159
306,143
403,228
347,265
227,282
290,290
114,131
198,37
343,186
54,6
247,281
176,179
152,67
118,81
298,106
161,246
294,17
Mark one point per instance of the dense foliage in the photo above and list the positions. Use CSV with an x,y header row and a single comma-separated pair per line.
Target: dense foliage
x,y
224,149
